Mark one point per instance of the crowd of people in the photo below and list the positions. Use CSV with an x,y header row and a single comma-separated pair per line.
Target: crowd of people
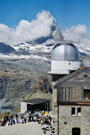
x,y
43,118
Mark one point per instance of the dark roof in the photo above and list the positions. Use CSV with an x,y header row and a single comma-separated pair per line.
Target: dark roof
x,y
68,76
79,77
36,101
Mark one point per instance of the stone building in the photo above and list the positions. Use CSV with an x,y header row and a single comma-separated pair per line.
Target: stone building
x,y
73,100
71,91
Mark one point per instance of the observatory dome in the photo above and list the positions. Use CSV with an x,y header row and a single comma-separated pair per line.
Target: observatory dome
x,y
64,58
64,52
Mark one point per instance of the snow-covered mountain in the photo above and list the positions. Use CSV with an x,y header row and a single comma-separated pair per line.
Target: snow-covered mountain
x,y
31,50
38,48
36,38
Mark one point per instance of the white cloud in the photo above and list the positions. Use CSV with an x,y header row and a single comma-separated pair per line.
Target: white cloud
x,y
5,33
15,57
28,31
41,27
79,34
75,32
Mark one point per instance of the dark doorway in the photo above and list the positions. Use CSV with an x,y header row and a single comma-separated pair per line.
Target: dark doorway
x,y
76,131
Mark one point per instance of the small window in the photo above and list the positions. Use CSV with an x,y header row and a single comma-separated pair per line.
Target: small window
x,y
86,93
79,111
73,111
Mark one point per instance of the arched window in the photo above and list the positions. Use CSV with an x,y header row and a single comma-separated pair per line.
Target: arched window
x,y
75,131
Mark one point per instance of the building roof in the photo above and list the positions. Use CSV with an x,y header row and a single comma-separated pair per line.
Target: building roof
x,y
76,78
36,101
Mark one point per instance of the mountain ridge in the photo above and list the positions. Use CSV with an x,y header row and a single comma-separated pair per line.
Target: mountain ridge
x,y
6,49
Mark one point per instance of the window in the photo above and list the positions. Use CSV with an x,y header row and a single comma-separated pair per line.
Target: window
x,y
79,111
75,131
73,111
76,111
86,93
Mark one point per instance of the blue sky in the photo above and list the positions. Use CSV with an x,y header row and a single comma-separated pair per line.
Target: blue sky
x,y
66,12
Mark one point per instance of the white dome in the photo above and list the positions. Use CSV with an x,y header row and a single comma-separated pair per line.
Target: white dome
x,y
64,52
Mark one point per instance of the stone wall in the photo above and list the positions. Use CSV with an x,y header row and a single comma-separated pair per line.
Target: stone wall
x,y
67,121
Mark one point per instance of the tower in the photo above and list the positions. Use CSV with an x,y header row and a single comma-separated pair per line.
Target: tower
x,y
64,60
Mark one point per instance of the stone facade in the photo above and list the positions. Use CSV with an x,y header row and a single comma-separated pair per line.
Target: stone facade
x,y
54,106
71,105
67,121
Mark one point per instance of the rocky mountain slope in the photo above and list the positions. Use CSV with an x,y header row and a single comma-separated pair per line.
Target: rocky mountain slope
x,y
14,87
6,49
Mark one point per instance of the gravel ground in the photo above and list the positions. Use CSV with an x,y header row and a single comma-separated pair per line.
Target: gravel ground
x,y
31,128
